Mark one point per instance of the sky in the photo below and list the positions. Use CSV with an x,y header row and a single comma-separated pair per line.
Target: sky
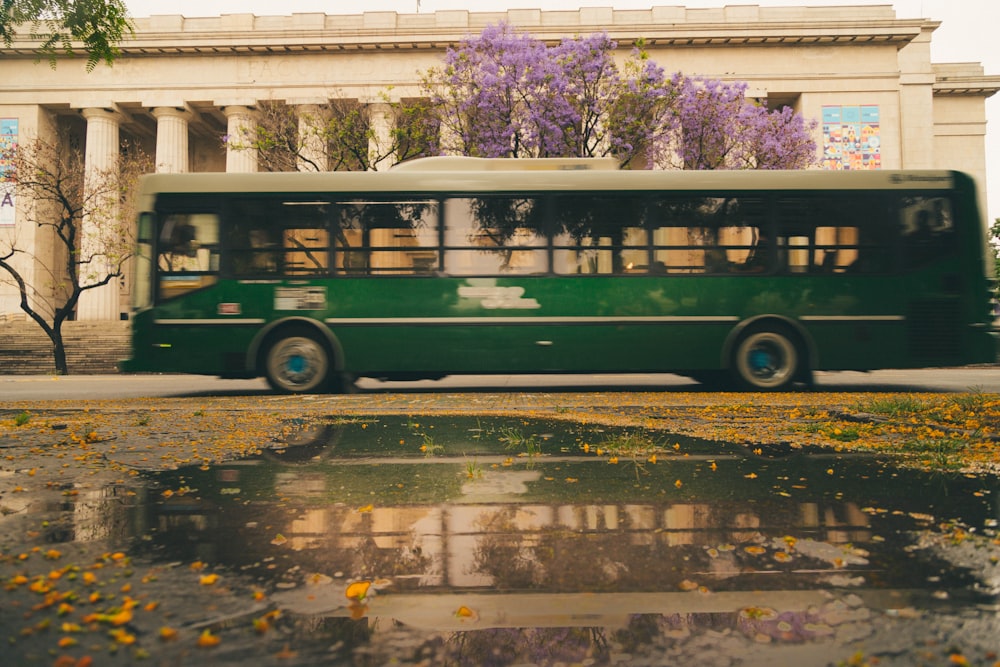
x,y
967,32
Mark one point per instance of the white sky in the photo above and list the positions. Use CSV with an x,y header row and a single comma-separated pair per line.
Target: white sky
x,y
967,32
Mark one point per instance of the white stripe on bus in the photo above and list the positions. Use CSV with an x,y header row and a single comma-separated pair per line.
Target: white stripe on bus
x,y
525,320
254,320
703,319
852,318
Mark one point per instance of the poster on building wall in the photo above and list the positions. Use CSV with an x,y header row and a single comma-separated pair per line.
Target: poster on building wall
x,y
851,138
8,139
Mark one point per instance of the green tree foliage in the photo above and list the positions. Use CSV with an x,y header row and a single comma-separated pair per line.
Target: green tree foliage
x,y
341,135
100,25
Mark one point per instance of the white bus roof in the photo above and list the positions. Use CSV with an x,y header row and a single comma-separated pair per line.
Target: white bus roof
x,y
462,163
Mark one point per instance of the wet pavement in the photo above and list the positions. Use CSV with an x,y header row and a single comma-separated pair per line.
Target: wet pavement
x,y
472,537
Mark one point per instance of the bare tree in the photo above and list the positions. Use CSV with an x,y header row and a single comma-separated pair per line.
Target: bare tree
x,y
83,229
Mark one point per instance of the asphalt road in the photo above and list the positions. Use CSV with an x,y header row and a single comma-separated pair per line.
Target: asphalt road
x,y
77,387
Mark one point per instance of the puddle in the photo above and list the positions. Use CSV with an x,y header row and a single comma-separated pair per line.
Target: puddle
x,y
488,541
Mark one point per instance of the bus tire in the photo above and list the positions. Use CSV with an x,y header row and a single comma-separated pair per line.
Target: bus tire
x,y
766,359
297,363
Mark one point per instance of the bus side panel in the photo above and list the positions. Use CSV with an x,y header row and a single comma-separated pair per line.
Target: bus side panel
x,y
525,349
863,345
205,349
526,324
206,332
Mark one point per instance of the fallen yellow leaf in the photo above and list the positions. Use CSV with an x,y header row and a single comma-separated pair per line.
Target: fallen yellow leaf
x,y
207,640
358,590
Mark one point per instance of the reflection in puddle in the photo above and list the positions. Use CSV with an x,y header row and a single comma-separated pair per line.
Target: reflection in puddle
x,y
475,553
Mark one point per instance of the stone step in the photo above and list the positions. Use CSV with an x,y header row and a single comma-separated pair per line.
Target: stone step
x,y
91,348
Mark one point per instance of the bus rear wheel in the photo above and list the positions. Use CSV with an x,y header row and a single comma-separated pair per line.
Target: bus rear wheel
x,y
297,364
766,360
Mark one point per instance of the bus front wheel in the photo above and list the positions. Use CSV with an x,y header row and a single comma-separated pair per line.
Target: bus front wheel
x,y
766,360
297,364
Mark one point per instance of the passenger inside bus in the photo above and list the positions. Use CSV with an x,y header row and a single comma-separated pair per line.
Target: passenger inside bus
x,y
759,259
178,247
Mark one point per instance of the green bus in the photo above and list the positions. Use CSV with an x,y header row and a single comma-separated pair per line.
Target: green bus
x,y
451,265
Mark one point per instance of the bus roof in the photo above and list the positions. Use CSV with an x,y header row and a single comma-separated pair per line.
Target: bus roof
x,y
464,163
476,175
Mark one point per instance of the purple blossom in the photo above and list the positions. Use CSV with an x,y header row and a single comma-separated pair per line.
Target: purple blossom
x,y
507,94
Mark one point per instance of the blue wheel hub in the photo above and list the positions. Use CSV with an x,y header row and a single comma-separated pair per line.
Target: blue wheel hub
x,y
296,364
760,360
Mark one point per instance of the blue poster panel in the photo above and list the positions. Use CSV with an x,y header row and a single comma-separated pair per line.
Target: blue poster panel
x,y
851,138
8,140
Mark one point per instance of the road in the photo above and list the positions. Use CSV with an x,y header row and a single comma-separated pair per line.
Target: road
x,y
484,520
77,387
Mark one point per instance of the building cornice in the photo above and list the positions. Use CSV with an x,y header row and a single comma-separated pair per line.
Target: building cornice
x,y
745,25
964,79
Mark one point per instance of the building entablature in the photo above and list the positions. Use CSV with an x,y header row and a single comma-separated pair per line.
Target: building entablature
x,y
964,79
748,25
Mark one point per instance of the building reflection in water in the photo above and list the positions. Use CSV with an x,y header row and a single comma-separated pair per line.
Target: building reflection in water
x,y
560,557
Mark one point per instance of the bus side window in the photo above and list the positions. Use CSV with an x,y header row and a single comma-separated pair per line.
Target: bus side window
x,y
928,229
253,238
187,252
824,233
387,237
499,235
603,234
189,242
304,241
709,235
676,238
759,258
835,250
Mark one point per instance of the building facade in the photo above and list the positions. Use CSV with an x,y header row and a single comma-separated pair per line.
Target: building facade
x,y
181,85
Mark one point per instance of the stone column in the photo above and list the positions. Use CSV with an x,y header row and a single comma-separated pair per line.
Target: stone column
x,y
381,115
171,139
101,156
313,155
239,158
916,107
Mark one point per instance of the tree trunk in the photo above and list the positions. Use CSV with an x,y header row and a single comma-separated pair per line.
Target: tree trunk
x,y
59,351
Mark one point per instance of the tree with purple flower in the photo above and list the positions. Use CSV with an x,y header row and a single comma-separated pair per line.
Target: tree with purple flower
x,y
721,128
507,94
